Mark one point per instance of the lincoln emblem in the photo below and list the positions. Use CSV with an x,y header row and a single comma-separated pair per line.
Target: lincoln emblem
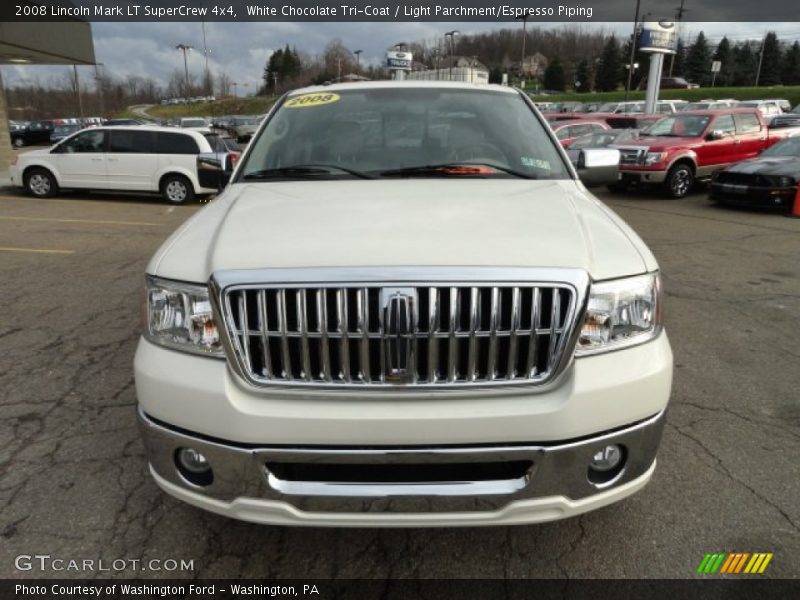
x,y
399,305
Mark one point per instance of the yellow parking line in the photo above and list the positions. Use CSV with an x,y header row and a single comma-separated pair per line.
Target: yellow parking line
x,y
93,221
35,250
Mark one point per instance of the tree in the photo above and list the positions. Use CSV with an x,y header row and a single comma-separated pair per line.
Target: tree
x,y
582,76
746,63
554,76
223,85
790,66
608,68
698,60
770,61
724,54
678,60
284,65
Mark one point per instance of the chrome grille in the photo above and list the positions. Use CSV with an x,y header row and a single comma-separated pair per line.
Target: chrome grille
x,y
630,156
353,334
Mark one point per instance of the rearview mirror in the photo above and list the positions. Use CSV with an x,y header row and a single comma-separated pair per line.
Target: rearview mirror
x,y
598,166
214,169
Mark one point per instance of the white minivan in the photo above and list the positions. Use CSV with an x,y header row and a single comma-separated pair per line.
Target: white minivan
x,y
135,159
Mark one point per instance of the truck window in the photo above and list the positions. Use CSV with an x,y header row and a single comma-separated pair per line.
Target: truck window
x,y
747,123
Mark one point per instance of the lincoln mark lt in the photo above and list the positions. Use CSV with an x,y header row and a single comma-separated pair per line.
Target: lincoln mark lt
x,y
404,308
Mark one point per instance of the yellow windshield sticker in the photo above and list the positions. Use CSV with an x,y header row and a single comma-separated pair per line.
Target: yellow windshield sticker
x,y
308,100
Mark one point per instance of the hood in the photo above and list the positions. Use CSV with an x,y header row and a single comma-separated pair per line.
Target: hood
x,y
768,165
411,222
659,143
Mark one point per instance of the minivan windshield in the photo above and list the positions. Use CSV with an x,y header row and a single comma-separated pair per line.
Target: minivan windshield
x,y
404,132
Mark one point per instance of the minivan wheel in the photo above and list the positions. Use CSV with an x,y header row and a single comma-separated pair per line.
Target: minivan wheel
x,y
680,180
177,189
41,183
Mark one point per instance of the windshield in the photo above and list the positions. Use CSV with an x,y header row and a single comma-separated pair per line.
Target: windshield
x,y
790,147
193,123
412,132
678,125
608,107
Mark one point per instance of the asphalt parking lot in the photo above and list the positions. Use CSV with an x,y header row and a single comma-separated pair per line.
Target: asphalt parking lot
x,y
73,480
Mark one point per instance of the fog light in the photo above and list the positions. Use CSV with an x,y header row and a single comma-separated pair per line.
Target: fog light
x,y
606,459
194,466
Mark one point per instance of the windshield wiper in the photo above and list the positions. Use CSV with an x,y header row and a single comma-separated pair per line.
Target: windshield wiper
x,y
457,169
303,172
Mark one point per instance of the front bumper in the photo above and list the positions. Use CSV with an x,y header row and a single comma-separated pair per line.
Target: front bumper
x,y
271,484
753,196
642,175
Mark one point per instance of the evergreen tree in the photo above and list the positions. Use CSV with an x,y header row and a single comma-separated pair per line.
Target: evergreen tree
x,y
745,64
678,60
640,58
771,61
554,76
790,65
609,67
698,60
582,76
724,54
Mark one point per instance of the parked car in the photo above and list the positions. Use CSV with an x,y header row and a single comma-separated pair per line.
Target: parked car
x,y
600,139
63,131
782,103
785,120
125,122
223,143
35,132
709,105
568,131
796,109
676,83
143,159
194,123
688,146
768,108
769,180
520,379
242,128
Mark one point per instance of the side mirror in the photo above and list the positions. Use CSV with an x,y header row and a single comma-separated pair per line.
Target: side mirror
x,y
214,169
598,166
715,135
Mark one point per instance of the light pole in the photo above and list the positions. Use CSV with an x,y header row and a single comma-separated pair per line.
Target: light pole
x,y
235,92
452,35
206,52
633,50
524,18
78,90
185,48
358,60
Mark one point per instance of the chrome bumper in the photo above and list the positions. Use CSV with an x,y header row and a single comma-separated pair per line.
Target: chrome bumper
x,y
539,471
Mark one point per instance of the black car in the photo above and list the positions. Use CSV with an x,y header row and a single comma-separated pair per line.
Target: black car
x,y
35,132
133,122
63,131
769,180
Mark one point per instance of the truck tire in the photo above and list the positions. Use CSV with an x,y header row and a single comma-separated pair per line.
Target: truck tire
x,y
176,189
680,180
40,183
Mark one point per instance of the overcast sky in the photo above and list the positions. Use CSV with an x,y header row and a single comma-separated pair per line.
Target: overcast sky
x,y
241,49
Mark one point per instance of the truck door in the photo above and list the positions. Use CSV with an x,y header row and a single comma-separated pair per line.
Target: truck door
x,y
752,135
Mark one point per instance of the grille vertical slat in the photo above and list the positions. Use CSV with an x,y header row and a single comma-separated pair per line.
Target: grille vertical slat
x,y
363,328
284,338
324,348
265,353
530,367
512,342
433,327
469,333
452,342
474,323
494,323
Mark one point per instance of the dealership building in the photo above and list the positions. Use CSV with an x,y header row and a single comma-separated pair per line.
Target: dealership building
x,y
65,43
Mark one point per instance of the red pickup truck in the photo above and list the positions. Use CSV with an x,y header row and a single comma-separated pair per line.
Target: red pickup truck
x,y
687,146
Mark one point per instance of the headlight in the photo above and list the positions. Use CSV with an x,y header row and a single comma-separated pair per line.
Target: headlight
x,y
178,315
621,313
652,158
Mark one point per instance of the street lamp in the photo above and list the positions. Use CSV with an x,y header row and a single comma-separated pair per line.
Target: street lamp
x,y
185,48
99,83
524,18
358,60
452,35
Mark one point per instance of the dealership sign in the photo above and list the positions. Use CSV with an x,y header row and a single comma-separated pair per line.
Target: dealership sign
x,y
400,61
658,36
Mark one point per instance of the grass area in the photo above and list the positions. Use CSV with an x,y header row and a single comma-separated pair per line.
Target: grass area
x,y
250,105
791,93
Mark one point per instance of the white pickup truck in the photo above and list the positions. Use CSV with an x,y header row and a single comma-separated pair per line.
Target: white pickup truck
x,y
403,309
